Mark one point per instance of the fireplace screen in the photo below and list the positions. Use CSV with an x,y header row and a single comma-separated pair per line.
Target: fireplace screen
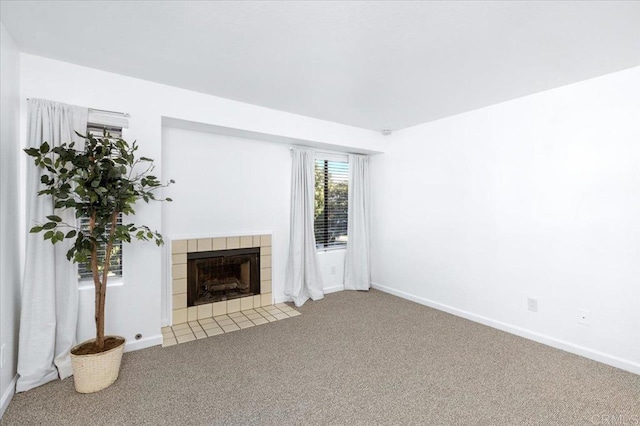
x,y
214,276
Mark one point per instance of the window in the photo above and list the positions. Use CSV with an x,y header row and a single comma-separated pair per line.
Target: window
x,y
331,203
115,269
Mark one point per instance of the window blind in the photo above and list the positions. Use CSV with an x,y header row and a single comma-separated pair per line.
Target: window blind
x,y
331,203
115,269
97,130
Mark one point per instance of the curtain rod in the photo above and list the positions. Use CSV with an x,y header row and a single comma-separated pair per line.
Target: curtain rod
x,y
327,152
124,114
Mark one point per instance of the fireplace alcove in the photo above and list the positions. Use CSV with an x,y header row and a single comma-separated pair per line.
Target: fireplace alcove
x,y
220,275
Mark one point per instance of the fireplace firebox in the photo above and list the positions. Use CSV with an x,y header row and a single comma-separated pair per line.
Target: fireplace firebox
x,y
214,276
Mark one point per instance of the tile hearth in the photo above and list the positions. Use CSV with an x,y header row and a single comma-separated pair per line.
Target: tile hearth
x,y
212,326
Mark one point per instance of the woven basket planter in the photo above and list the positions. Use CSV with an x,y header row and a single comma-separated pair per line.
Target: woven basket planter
x,y
95,372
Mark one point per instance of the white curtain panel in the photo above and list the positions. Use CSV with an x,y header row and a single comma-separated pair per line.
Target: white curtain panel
x,y
357,265
303,280
50,286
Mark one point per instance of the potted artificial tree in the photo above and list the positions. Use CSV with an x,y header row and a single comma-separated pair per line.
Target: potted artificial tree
x,y
99,182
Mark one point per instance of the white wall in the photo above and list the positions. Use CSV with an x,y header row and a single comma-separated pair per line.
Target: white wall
x,y
135,305
227,186
331,263
536,197
10,271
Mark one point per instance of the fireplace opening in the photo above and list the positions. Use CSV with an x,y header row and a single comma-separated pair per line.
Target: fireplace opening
x,y
214,276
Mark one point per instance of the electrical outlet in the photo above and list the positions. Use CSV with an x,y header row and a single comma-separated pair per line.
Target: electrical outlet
x,y
532,304
584,317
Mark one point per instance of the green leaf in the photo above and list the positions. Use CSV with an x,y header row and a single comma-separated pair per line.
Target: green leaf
x,y
54,218
48,235
169,199
35,229
49,225
71,234
58,236
44,148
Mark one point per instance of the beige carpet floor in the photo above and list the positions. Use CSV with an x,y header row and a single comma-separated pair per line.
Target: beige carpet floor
x,y
353,358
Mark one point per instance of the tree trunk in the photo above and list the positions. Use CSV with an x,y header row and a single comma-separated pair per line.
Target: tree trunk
x,y
98,313
101,284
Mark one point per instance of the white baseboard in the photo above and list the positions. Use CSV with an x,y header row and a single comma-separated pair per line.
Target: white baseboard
x,y
602,357
147,342
327,290
281,299
333,289
8,395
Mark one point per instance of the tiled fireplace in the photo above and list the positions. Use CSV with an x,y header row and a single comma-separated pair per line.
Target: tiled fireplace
x,y
236,295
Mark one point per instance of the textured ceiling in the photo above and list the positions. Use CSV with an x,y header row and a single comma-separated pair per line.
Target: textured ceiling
x,y
374,65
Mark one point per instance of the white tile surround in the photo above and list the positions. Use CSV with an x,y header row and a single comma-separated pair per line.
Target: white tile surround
x,y
180,248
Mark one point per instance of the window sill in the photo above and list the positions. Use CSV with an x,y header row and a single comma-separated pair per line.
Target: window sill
x,y
111,282
331,249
